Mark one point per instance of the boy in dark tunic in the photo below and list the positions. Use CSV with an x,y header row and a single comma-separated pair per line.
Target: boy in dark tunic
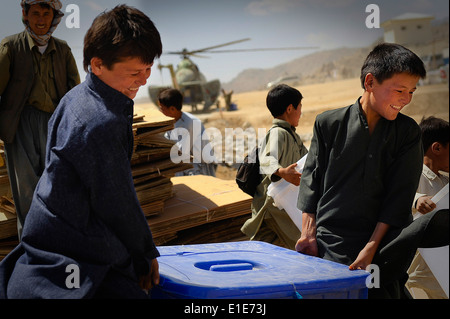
x,y
362,173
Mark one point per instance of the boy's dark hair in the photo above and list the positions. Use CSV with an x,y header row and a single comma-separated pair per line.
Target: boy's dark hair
x,y
171,97
280,97
388,59
434,130
123,32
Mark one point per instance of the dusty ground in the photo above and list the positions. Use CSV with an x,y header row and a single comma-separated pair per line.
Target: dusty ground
x,y
428,100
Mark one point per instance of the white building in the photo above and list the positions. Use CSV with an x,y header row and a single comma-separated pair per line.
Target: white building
x,y
409,29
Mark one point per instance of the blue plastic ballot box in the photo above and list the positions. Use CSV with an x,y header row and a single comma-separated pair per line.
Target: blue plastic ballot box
x,y
252,270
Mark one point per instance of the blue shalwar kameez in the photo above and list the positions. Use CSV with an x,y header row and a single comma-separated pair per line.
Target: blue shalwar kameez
x,y
84,211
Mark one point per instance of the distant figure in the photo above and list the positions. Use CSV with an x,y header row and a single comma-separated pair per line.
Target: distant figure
x,y
36,70
278,158
190,135
227,97
435,139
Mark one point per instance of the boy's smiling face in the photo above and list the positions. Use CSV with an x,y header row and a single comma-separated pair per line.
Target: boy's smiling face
x,y
126,76
388,98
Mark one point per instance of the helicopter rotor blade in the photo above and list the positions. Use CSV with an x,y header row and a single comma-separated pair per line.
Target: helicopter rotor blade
x,y
220,45
199,56
211,49
185,52
263,49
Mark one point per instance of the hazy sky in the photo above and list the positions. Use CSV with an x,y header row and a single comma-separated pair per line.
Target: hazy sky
x,y
195,24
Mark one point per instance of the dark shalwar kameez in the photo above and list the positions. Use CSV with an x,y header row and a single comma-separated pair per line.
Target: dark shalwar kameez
x,y
353,179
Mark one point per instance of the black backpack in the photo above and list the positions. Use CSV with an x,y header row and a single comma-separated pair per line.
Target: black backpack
x,y
248,177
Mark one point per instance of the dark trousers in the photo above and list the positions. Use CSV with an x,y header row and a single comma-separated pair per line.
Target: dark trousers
x,y
399,247
25,159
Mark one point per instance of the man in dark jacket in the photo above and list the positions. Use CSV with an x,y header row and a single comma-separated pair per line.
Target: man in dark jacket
x,y
36,70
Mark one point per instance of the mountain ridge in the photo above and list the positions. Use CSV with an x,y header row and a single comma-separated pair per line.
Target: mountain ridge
x,y
330,65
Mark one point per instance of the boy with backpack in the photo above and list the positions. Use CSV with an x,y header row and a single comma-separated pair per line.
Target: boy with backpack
x,y
278,155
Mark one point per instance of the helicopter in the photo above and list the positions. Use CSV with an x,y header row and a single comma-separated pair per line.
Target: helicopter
x,y
192,83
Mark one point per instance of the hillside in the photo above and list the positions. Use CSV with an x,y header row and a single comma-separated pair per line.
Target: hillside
x,y
330,65
324,66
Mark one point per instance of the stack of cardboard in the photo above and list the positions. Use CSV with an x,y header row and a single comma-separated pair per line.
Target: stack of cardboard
x,y
151,165
7,245
187,209
202,206
4,180
204,209
8,219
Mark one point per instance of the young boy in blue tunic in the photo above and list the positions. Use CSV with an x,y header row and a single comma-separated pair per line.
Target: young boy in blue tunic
x,y
85,235
362,173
